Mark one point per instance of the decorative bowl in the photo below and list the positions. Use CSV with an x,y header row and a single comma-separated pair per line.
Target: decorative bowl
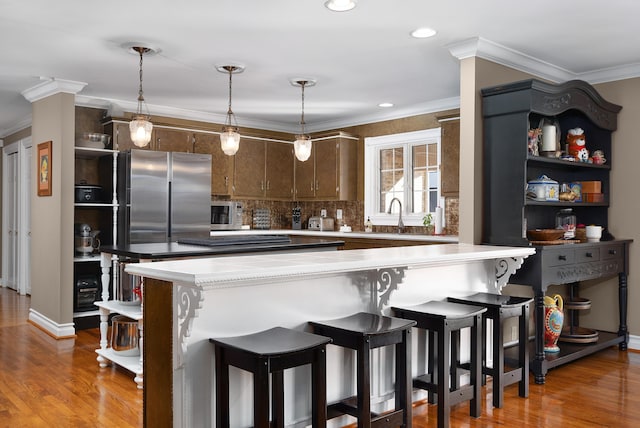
x,y
544,234
93,140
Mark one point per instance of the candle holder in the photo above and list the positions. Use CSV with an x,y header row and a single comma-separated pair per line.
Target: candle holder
x,y
549,145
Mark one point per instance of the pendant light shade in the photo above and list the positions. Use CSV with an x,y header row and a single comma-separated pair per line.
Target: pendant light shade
x,y
140,127
302,145
230,137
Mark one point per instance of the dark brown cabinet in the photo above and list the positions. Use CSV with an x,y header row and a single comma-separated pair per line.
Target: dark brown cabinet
x,y
263,170
172,140
331,172
221,164
509,112
120,135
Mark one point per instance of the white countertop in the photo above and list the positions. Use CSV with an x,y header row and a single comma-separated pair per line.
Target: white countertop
x,y
335,234
231,271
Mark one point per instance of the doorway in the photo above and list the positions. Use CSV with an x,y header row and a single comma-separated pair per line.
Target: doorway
x,y
16,215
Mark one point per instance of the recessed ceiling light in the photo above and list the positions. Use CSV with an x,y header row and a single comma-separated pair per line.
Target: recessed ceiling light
x,y
423,33
385,105
340,5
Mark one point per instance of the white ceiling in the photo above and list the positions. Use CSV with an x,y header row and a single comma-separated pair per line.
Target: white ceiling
x,y
359,58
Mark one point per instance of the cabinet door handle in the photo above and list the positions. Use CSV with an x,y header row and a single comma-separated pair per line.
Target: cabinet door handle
x,y
311,188
613,252
262,185
562,257
226,181
589,254
317,184
268,184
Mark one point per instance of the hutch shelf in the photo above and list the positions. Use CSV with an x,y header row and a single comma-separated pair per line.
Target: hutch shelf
x,y
509,112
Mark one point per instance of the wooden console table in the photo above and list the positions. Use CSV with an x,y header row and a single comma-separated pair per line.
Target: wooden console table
x,y
570,264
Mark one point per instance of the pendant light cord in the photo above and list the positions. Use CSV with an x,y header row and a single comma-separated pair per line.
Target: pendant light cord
x,y
302,83
140,92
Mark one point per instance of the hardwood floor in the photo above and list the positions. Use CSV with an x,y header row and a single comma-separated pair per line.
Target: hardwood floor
x,y
57,383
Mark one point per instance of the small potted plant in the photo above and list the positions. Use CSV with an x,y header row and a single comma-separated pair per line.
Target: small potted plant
x,y
427,221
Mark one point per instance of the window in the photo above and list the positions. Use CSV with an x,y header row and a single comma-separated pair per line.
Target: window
x,y
403,167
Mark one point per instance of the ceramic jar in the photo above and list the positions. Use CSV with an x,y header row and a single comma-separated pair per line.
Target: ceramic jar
x,y
553,319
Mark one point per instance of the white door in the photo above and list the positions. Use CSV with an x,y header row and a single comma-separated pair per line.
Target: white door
x,y
24,239
10,217
16,215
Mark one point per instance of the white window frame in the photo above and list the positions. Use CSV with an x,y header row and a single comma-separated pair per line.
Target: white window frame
x,y
372,147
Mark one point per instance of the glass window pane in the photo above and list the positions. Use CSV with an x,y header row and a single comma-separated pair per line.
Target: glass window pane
x,y
420,156
433,155
386,159
398,153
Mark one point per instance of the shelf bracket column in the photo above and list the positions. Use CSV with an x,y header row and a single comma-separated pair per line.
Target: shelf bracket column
x,y
187,301
504,269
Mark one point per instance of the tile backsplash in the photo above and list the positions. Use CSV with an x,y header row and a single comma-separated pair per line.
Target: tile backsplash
x,y
352,213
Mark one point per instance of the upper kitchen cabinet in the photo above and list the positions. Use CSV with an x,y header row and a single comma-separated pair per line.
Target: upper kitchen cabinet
x,y
221,164
172,140
331,171
120,134
450,156
263,170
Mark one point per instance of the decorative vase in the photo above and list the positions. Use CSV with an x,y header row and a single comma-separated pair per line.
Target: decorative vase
x,y
553,319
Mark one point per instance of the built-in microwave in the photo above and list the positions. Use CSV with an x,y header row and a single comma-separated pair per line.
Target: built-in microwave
x,y
226,215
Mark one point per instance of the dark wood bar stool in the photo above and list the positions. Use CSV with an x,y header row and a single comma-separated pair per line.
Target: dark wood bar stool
x,y
271,351
499,308
364,332
443,321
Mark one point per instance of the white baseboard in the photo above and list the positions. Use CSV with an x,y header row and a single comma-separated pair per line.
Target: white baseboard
x,y
634,343
58,331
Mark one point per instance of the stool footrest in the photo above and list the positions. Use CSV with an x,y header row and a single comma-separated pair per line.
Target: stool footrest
x,y
511,377
425,382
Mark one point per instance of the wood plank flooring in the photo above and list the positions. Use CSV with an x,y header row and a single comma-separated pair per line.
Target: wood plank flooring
x,y
57,383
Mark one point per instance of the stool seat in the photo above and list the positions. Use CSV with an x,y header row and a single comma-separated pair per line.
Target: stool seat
x,y
365,324
443,320
363,332
271,352
276,341
499,308
490,300
439,310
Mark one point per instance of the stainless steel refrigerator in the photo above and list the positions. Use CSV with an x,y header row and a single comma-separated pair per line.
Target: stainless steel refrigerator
x,y
163,196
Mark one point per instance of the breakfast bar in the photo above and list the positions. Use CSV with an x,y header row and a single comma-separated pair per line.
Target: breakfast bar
x,y
188,301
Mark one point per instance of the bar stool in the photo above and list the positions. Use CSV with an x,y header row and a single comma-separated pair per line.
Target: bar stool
x,y
271,351
363,332
499,308
444,320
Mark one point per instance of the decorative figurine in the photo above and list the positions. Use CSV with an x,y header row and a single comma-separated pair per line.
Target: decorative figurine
x,y
553,319
598,157
534,138
577,145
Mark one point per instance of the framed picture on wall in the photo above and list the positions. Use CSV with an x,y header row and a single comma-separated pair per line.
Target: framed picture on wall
x,y
44,169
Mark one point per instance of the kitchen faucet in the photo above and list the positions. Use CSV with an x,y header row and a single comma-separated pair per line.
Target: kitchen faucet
x,y
400,223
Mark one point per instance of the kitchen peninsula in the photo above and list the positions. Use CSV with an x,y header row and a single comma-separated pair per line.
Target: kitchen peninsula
x,y
188,301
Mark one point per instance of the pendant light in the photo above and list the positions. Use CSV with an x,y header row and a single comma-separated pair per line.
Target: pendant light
x,y
140,127
302,144
230,137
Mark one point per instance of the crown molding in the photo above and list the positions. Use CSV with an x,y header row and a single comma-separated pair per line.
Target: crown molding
x,y
51,87
486,49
